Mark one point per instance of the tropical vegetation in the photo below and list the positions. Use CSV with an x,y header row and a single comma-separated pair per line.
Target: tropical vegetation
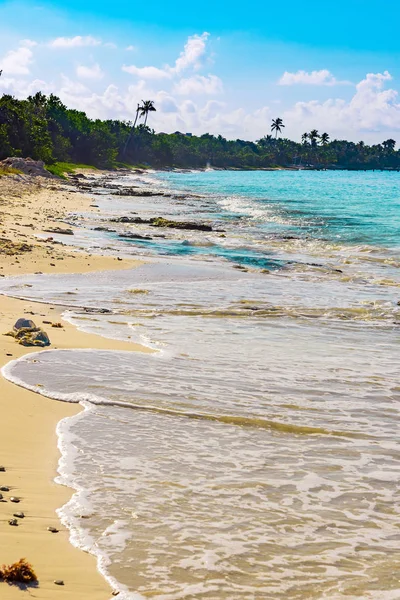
x,y
42,127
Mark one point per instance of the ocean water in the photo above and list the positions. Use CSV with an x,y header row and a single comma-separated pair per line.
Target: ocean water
x,y
255,453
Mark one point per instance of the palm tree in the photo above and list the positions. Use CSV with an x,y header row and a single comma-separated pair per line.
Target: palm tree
x,y
304,138
277,125
128,139
137,115
324,138
147,106
389,145
313,137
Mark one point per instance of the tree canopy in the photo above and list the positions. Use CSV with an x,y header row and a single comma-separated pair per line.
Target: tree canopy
x,y
42,127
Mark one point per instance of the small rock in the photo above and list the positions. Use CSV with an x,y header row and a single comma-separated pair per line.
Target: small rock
x,y
19,515
60,230
2,469
58,582
24,324
58,325
13,522
52,530
4,488
14,499
115,593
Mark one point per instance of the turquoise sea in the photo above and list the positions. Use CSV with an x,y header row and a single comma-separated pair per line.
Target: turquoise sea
x,y
255,454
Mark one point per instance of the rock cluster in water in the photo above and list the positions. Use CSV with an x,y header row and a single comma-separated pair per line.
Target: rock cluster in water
x,y
161,222
26,333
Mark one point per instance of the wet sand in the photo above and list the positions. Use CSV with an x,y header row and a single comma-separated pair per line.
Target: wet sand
x,y
28,442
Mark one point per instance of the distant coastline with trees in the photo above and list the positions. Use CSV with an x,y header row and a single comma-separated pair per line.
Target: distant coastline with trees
x,y
43,128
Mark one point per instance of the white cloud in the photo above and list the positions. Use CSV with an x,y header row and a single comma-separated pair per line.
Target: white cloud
x,y
75,42
72,88
93,72
199,84
28,43
130,48
146,72
21,88
194,49
110,45
16,62
323,77
166,103
372,110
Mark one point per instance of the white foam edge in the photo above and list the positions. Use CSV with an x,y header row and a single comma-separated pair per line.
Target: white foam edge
x,y
72,317
78,537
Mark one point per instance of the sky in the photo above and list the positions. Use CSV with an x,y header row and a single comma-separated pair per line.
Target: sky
x,y
213,67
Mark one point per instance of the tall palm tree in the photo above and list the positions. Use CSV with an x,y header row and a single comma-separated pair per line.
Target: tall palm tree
x,y
304,138
128,139
137,115
324,138
277,125
313,137
147,106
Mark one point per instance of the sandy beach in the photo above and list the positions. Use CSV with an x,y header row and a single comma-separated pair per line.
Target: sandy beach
x,y
28,443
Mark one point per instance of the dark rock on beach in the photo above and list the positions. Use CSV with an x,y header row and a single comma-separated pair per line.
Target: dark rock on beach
x,y
135,236
60,230
26,333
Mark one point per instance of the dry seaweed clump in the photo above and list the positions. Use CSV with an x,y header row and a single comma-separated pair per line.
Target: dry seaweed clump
x,y
18,572
10,248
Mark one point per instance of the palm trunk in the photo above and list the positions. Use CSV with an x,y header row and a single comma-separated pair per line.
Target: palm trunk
x,y
131,131
145,119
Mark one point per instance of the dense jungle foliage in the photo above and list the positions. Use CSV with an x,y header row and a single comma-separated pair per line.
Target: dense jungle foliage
x,y
42,127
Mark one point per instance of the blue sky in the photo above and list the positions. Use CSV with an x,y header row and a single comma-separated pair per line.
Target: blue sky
x,y
217,67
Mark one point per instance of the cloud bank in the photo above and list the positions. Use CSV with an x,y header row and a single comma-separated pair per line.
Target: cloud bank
x,y
189,99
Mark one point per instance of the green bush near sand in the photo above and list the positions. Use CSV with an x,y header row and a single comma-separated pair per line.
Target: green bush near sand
x,y
62,168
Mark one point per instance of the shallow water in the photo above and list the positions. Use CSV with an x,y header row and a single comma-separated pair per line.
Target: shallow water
x,y
255,454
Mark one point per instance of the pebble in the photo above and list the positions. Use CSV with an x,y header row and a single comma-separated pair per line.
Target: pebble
x,y
2,469
52,529
4,488
14,499
13,522
19,515
58,582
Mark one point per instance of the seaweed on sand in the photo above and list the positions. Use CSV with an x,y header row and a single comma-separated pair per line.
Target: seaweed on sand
x,y
19,572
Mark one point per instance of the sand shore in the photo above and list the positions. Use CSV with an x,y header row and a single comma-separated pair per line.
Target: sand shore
x,y
28,444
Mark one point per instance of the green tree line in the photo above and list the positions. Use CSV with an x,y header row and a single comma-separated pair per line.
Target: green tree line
x,y
43,128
